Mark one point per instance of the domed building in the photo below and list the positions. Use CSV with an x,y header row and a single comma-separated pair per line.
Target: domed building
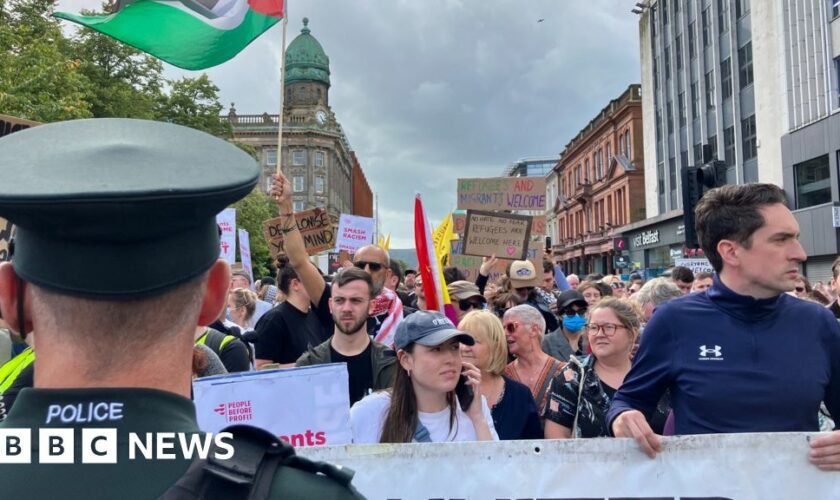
x,y
316,157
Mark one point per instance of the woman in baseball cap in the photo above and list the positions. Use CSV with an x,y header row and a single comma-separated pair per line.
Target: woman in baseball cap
x,y
436,395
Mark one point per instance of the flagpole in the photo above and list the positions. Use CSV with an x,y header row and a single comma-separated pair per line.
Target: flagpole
x,y
282,88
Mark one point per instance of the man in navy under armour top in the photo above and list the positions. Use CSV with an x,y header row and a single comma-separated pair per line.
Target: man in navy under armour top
x,y
743,356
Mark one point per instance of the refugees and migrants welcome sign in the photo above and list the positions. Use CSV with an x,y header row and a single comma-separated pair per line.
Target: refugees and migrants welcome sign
x,y
502,193
708,467
504,235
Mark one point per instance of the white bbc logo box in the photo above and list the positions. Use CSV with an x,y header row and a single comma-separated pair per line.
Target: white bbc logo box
x,y
57,446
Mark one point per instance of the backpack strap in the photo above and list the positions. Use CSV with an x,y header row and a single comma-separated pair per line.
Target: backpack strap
x,y
250,472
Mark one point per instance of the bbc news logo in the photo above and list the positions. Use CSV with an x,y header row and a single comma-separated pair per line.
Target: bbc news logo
x,y
99,446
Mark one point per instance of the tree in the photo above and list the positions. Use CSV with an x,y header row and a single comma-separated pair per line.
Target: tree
x,y
38,80
194,102
251,212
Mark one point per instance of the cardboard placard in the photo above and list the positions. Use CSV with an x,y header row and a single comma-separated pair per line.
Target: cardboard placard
x,y
354,232
502,193
470,265
538,227
316,227
6,228
504,235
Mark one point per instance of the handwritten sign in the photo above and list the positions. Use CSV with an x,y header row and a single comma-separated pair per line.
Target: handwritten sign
x,y
316,227
502,193
227,223
469,264
354,232
538,227
696,265
245,253
5,239
489,233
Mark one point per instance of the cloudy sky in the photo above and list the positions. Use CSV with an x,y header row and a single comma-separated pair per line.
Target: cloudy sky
x,y
429,91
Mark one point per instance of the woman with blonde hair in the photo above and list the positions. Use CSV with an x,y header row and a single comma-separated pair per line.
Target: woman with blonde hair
x,y
618,288
242,303
582,392
511,404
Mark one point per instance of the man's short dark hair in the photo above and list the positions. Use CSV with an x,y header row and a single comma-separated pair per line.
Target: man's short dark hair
x,y
452,274
732,213
548,267
354,274
410,271
396,270
683,274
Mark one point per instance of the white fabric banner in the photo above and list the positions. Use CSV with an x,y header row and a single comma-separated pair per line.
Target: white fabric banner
x,y
719,467
354,232
226,219
245,253
307,406
696,265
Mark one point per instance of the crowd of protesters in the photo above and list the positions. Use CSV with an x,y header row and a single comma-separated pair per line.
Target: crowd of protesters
x,y
533,353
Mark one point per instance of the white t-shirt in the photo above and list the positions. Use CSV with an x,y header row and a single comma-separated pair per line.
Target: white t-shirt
x,y
368,415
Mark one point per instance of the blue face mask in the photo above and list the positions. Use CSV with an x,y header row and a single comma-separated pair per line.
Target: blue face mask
x,y
574,323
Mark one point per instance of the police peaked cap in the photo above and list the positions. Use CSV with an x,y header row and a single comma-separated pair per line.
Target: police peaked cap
x,y
117,207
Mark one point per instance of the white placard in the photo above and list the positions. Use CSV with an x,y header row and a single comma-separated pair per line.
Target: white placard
x,y
696,265
354,232
719,467
307,406
227,222
245,253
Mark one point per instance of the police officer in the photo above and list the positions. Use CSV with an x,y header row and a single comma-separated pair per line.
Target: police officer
x,y
95,200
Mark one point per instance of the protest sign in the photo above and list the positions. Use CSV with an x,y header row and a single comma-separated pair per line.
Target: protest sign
x,y
459,222
316,227
307,406
354,232
245,253
227,223
696,265
469,265
505,235
706,467
502,193
5,238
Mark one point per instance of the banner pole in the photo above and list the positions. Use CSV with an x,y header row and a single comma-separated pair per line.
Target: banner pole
x,y
282,88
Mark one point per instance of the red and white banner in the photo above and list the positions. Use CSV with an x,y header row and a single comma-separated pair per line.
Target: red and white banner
x,y
308,406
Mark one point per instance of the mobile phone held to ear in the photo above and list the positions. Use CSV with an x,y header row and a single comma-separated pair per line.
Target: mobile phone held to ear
x,y
464,392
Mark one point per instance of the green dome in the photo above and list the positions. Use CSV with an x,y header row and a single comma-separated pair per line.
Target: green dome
x,y
306,59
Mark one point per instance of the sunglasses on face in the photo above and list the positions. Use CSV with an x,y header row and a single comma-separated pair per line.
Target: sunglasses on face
x,y
617,285
511,327
571,312
466,305
362,264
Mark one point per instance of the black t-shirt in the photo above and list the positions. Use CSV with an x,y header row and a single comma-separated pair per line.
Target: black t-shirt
x,y
360,371
285,332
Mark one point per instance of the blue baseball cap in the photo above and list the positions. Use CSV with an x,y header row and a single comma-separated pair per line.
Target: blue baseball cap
x,y
428,328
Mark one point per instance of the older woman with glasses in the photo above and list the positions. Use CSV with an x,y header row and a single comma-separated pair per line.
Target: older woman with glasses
x,y
514,411
524,329
581,394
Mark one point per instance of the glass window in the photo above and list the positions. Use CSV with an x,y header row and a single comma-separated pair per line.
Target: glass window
x,y
707,27
319,184
726,78
298,184
695,102
665,12
270,157
713,144
667,62
813,182
698,154
297,206
681,104
660,181
679,51
835,8
655,74
692,38
837,66
723,16
729,146
319,158
672,177
742,7
748,132
669,109
745,64
658,124
683,159
298,158
710,90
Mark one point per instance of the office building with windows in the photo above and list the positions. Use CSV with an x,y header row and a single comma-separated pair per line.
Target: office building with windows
x,y
316,157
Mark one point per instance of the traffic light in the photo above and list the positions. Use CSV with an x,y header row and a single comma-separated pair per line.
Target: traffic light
x,y
696,181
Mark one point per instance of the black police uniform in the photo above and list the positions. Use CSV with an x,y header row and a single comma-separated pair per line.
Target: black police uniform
x,y
120,209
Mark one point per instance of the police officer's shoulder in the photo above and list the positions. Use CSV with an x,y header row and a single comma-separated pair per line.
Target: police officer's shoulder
x,y
292,482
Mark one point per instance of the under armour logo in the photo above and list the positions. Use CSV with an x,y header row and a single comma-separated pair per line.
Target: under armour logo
x,y
705,352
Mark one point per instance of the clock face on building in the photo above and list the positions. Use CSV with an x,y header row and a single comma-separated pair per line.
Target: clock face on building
x,y
321,117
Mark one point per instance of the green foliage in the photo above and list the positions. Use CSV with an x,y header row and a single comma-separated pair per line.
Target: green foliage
x,y
194,102
251,212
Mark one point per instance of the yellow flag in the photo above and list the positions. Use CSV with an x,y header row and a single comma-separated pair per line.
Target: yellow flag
x,y
442,238
384,243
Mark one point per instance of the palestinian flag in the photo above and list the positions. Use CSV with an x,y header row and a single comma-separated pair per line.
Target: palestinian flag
x,y
190,34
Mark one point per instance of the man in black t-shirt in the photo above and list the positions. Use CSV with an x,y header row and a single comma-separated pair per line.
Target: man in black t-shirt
x,y
370,365
288,330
